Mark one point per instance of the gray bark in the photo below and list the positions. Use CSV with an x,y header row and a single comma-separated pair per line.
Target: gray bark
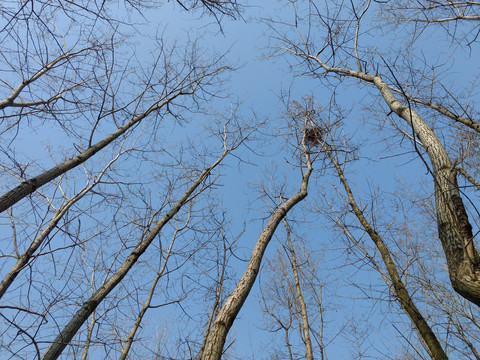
x,y
457,242
29,186
454,229
215,339
89,306
397,287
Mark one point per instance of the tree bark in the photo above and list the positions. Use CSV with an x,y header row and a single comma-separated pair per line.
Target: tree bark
x,y
29,186
454,229
397,287
215,340
69,331
462,258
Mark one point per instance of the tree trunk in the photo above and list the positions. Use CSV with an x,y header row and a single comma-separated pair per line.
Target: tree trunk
x,y
301,301
29,186
89,306
454,229
397,286
215,339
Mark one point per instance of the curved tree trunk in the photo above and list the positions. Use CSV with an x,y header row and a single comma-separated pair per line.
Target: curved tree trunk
x,y
89,306
454,229
215,339
397,286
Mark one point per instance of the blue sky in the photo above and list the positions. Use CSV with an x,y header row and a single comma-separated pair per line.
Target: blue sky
x,y
258,84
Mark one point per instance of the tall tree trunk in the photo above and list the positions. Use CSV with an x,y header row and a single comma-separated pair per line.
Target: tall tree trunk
x,y
89,306
300,299
397,286
215,339
454,229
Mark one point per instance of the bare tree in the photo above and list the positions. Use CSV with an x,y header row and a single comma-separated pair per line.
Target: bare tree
x,y
217,334
291,297
115,241
148,302
443,14
394,280
82,217
454,228
416,109
300,298
276,295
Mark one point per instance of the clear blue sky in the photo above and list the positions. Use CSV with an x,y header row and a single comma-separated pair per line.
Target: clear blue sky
x,y
258,84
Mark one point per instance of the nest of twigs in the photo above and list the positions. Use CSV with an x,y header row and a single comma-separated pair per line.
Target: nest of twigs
x,y
313,136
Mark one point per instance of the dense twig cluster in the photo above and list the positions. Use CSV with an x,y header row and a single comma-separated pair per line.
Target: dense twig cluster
x,y
313,136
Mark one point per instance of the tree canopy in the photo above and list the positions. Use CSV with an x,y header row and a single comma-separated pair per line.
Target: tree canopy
x,y
220,179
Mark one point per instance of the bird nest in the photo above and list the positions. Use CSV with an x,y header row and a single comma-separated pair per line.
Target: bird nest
x,y
313,136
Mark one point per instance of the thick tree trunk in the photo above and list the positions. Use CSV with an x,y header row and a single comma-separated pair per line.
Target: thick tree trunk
x,y
89,306
215,339
29,186
454,229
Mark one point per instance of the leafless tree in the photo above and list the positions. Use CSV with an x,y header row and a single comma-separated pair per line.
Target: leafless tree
x,y
80,219
322,57
393,279
292,299
443,14
410,100
115,242
216,335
